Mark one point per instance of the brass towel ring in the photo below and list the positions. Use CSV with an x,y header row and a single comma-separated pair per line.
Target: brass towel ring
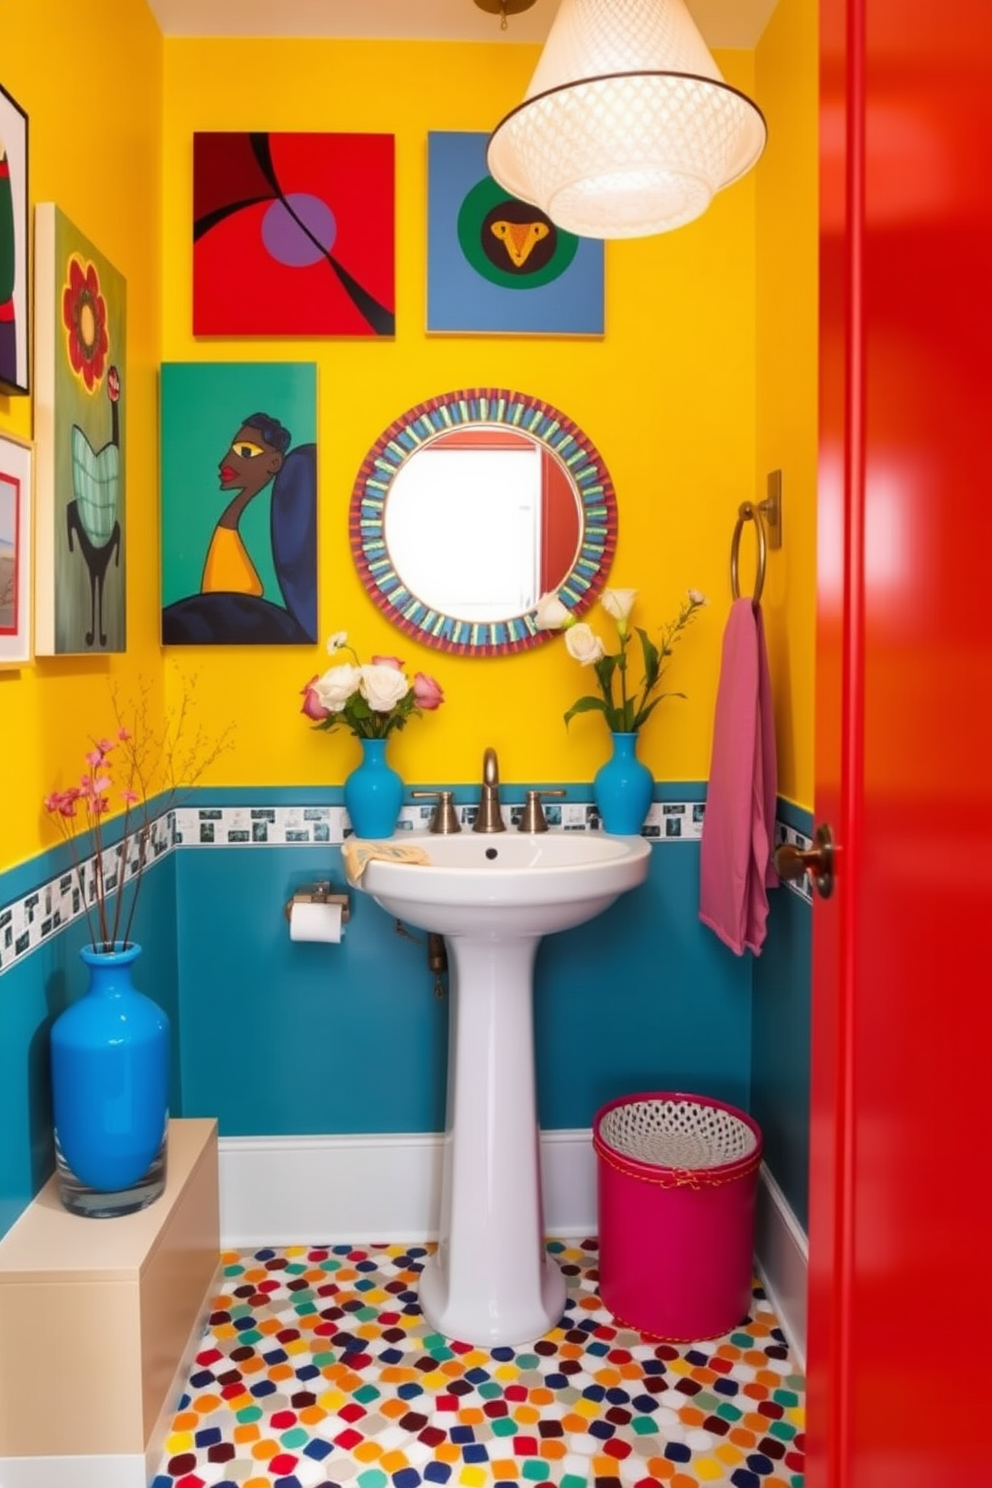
x,y
747,512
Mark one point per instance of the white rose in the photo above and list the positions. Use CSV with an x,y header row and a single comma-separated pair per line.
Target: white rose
x,y
383,687
696,598
583,644
550,613
336,641
618,602
336,686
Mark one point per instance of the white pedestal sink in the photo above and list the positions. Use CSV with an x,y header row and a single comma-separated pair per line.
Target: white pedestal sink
x,y
492,896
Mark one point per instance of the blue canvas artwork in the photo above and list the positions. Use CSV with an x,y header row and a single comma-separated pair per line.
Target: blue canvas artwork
x,y
239,503
496,264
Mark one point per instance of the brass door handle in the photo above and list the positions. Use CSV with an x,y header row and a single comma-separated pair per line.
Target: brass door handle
x,y
818,861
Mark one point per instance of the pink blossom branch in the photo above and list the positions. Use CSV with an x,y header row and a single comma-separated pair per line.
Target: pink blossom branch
x,y
148,760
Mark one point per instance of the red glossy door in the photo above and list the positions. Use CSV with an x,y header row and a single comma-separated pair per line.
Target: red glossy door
x,y
901,1210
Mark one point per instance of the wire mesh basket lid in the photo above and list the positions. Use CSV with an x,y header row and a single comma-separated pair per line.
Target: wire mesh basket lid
x,y
678,1132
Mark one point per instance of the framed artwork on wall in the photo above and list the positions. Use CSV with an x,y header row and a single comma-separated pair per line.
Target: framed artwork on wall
x,y
496,264
80,452
13,246
293,234
239,503
15,552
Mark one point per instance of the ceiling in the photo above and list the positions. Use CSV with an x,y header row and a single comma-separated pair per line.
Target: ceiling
x,y
724,23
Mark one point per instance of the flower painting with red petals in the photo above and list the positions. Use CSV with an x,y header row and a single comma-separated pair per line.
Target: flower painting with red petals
x,y
293,235
81,388
84,316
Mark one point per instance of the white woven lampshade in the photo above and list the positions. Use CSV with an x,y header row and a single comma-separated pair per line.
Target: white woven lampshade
x,y
627,127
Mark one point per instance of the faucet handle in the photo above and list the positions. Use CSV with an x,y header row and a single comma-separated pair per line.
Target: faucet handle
x,y
532,818
445,818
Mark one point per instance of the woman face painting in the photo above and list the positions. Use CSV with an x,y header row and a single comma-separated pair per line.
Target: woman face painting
x,y
250,463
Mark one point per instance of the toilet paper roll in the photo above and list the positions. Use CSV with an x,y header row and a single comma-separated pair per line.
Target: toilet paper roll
x,y
322,922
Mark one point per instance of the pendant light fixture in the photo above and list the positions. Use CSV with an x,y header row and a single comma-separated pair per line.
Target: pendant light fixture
x,y
627,127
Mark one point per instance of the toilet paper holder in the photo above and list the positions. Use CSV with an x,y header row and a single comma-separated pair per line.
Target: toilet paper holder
x,y
320,893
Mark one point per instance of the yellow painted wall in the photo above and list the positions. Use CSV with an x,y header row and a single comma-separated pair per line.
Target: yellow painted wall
x,y
89,78
690,396
668,396
787,208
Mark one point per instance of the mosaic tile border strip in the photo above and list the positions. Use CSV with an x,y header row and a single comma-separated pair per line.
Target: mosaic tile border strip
x,y
26,922
318,1370
282,826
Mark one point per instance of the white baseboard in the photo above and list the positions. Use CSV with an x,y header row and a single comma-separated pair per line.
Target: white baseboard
x,y
353,1189
117,1471
782,1258
361,1189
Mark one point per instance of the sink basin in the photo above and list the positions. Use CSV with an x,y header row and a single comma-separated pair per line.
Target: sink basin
x,y
493,896
508,883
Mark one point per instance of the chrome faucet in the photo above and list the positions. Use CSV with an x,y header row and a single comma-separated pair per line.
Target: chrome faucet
x,y
489,817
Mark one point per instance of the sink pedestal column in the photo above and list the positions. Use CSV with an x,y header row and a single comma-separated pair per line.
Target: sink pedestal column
x,y
491,1280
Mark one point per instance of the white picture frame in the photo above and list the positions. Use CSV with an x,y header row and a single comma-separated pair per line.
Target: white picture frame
x,y
16,556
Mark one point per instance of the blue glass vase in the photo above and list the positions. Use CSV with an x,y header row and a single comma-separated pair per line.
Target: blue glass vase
x,y
623,788
110,1054
373,792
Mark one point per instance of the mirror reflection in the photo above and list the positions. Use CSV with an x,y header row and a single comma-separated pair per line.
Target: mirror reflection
x,y
469,507
502,519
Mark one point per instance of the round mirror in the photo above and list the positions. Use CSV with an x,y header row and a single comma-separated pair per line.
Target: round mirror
x,y
470,507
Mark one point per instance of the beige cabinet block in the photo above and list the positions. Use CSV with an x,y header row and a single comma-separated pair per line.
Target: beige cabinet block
x,y
103,1310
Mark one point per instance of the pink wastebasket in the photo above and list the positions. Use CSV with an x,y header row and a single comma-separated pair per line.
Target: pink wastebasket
x,y
677,1180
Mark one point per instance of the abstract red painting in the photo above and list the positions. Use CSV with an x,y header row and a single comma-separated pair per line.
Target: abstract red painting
x,y
293,234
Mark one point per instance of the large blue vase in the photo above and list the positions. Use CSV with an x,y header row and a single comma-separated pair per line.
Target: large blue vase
x,y
373,793
110,1091
623,788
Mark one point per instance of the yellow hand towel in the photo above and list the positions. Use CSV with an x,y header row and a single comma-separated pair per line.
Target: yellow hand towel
x,y
357,853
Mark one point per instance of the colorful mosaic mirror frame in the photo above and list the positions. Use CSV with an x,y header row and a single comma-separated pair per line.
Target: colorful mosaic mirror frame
x,y
464,409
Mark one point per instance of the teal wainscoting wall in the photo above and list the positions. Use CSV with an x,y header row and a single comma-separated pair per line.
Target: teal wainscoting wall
x,y
780,1029
642,999
276,1037
287,1038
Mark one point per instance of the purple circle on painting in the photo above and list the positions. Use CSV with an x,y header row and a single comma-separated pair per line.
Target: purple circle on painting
x,y
299,230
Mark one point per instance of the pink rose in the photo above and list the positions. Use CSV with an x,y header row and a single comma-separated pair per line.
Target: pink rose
x,y
427,693
312,706
390,661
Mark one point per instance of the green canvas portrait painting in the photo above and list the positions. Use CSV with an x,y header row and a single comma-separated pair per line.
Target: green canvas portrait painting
x,y
239,503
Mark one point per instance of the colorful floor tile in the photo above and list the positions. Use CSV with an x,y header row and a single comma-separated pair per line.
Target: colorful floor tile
x,y
318,1370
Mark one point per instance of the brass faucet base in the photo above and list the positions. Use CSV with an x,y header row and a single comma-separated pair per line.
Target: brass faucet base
x,y
445,818
532,818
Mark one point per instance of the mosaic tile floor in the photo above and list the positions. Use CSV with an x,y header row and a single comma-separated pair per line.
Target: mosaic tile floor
x,y
318,1371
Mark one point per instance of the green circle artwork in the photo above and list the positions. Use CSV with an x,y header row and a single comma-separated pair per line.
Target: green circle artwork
x,y
509,242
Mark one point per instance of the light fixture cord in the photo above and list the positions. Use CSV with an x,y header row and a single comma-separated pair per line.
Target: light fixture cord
x,y
503,23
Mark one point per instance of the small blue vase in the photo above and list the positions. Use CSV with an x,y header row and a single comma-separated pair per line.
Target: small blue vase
x,y
623,788
373,793
110,1091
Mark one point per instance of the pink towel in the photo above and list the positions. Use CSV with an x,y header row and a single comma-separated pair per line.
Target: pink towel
x,y
735,864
